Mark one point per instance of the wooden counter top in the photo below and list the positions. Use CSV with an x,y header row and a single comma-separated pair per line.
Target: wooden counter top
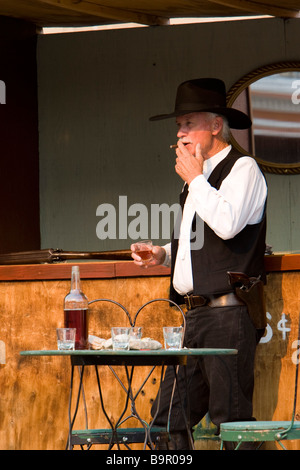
x,y
31,308
90,270
286,262
107,270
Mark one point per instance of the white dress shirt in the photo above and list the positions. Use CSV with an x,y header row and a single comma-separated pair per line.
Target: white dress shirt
x,y
239,202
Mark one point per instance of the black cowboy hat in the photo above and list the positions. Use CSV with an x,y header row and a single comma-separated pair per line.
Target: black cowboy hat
x,y
205,95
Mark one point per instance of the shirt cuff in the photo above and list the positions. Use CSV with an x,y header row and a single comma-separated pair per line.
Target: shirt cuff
x,y
167,260
196,182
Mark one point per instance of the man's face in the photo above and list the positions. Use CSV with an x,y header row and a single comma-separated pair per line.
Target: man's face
x,y
196,128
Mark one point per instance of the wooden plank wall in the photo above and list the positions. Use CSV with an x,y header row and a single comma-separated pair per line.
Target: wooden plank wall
x,y
34,391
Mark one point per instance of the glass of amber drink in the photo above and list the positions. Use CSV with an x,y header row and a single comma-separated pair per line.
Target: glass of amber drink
x,y
144,250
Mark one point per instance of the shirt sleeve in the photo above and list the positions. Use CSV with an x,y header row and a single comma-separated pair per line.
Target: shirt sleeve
x,y
239,201
167,261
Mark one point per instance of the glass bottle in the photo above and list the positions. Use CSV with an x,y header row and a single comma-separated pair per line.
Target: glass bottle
x,y
76,311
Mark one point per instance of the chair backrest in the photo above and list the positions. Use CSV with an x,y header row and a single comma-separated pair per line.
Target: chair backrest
x,y
174,316
103,317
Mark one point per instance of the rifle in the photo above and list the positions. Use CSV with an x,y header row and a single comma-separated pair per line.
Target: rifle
x,y
51,255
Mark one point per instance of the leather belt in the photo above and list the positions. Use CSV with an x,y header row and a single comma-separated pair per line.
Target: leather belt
x,y
225,300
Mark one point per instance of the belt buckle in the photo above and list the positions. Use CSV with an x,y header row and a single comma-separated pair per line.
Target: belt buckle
x,y
188,301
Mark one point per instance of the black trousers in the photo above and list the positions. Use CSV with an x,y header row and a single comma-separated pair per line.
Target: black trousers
x,y
220,385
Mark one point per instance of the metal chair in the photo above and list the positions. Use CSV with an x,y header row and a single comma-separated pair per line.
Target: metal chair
x,y
263,431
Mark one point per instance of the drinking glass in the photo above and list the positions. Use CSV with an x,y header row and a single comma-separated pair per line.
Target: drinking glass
x,y
136,332
173,337
66,339
120,338
144,250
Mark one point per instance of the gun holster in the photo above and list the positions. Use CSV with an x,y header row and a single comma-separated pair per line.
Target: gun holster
x,y
251,291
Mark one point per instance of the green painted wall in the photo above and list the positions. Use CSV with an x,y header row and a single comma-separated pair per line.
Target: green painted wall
x,y
96,93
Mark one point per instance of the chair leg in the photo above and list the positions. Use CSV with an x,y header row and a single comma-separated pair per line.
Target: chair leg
x,y
241,445
280,443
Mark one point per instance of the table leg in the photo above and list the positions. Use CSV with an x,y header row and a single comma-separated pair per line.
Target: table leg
x,y
186,416
130,398
72,420
114,436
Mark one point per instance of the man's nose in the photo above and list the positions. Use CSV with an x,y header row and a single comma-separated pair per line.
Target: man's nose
x,y
181,133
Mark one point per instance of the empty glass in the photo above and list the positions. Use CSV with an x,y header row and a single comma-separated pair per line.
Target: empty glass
x,y
120,338
173,337
66,339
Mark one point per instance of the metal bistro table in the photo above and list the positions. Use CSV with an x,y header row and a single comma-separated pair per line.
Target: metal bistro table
x,y
146,433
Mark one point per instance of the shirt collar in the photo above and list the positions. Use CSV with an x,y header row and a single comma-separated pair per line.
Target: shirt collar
x,y
210,164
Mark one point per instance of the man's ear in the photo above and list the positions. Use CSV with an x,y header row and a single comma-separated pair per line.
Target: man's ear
x,y
217,125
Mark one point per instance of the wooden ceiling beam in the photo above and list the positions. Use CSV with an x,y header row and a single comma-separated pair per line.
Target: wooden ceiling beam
x,y
259,8
92,8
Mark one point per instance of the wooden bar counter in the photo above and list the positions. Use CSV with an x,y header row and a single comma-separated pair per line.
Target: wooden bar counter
x,y
35,391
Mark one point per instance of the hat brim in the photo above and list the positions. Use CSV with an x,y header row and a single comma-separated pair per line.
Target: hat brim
x,y
236,119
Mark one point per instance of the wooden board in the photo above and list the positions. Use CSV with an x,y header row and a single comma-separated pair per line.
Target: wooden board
x,y
35,391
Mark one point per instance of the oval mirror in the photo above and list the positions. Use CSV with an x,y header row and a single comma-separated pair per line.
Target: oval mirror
x,y
270,95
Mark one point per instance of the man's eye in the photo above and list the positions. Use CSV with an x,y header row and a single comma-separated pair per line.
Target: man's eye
x,y
184,124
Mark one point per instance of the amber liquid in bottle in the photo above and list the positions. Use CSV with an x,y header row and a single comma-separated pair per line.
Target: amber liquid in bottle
x,y
78,319
76,311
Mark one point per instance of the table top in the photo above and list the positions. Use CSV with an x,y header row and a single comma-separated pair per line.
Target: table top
x,y
132,352
131,357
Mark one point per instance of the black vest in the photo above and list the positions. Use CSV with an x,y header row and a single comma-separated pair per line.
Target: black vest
x,y
243,253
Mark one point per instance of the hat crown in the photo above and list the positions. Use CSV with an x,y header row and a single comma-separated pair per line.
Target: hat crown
x,y
200,93
206,95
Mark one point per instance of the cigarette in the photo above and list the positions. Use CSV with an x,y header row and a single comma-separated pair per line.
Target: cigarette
x,y
175,146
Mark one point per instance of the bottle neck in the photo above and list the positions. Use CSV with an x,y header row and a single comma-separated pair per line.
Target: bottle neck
x,y
75,279
75,299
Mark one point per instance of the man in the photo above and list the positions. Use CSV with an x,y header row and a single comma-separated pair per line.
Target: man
x,y
227,191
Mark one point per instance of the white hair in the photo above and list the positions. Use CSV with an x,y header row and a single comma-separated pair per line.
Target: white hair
x,y
225,129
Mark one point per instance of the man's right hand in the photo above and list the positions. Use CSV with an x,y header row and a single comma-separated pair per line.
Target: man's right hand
x,y
158,256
